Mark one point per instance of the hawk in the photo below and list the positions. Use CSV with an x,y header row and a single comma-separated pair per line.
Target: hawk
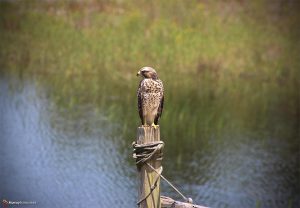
x,y
150,97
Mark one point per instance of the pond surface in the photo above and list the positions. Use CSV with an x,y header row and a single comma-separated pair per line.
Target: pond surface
x,y
77,155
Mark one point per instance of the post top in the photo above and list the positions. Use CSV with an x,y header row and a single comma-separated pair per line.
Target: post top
x,y
148,127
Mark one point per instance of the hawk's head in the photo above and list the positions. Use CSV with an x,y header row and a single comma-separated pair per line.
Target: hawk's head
x,y
147,72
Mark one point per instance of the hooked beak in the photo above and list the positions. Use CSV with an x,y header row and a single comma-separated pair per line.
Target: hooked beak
x,y
138,74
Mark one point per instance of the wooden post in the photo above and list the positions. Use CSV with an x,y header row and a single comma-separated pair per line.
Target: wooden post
x,y
146,175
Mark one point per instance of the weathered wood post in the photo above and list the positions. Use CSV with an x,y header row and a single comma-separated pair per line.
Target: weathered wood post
x,y
147,176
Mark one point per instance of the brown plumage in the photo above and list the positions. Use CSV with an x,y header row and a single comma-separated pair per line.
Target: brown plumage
x,y
150,97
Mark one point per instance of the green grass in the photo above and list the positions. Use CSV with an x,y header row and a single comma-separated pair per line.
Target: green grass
x,y
226,66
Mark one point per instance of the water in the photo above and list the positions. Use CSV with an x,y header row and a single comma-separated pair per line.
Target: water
x,y
68,168
62,154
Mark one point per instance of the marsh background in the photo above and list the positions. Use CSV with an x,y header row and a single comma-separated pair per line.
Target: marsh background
x,y
68,100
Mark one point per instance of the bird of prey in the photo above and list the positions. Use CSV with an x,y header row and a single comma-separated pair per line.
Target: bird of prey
x,y
150,97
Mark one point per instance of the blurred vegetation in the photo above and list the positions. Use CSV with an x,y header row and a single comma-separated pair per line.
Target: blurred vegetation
x,y
227,66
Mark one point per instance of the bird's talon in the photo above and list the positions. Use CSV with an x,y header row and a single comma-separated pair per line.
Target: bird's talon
x,y
154,126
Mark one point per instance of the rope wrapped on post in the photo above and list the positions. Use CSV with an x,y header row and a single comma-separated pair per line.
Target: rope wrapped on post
x,y
145,152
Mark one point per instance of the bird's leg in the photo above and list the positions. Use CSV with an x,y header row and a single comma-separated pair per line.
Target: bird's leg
x,y
154,126
144,123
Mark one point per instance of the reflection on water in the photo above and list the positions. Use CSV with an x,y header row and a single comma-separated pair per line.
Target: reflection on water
x,y
78,155
58,168
243,172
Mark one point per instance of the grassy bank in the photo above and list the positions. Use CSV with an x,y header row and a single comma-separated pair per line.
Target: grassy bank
x,y
226,66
